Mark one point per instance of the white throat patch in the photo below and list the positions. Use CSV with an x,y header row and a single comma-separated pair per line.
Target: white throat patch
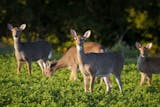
x,y
79,48
142,55
14,38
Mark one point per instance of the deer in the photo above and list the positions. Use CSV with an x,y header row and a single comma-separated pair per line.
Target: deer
x,y
94,65
27,52
69,60
147,65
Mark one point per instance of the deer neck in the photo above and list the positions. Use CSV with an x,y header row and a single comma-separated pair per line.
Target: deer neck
x,y
80,53
60,64
17,44
81,58
141,59
143,56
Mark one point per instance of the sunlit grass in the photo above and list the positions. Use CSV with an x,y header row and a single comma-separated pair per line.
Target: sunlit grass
x,y
58,91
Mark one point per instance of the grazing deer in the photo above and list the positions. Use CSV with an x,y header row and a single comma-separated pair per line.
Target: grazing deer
x,y
69,60
147,65
26,52
97,64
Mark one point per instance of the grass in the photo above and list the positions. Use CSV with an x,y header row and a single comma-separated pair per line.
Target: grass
x,y
35,90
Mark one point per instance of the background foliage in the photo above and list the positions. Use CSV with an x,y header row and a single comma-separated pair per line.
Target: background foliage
x,y
109,20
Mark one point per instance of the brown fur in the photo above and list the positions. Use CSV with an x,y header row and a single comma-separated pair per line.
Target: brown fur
x,y
147,65
26,52
97,64
69,60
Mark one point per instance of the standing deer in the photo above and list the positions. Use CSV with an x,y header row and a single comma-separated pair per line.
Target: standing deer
x,y
69,60
97,64
147,65
26,52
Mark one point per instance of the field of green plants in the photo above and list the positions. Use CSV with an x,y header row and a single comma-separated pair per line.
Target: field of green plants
x,y
36,90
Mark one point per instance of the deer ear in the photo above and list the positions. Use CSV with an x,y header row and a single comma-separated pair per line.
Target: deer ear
x,y
73,33
10,27
87,34
48,63
149,45
22,27
138,45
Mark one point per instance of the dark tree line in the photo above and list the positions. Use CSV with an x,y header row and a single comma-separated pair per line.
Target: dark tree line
x,y
109,20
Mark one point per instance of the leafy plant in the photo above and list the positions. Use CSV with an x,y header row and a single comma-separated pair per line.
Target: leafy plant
x,y
58,91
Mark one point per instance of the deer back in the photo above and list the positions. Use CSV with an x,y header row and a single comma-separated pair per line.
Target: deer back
x,y
101,64
34,51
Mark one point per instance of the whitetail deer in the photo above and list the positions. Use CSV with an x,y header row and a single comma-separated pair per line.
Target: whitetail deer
x,y
27,52
147,65
69,60
97,64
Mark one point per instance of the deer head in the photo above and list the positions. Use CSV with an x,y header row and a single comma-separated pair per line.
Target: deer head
x,y
48,68
143,49
80,39
16,31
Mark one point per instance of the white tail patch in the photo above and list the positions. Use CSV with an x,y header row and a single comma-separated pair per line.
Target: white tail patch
x,y
50,55
102,51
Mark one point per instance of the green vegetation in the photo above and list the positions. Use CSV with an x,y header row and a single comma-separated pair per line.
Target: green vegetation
x,y
114,23
58,91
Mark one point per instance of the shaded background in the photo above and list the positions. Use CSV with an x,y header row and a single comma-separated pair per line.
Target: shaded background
x,y
111,21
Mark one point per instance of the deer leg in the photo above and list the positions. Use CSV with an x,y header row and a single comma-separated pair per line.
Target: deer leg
x,y
119,83
106,80
73,75
149,79
109,81
19,64
85,77
85,83
40,63
92,79
101,81
143,77
29,67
